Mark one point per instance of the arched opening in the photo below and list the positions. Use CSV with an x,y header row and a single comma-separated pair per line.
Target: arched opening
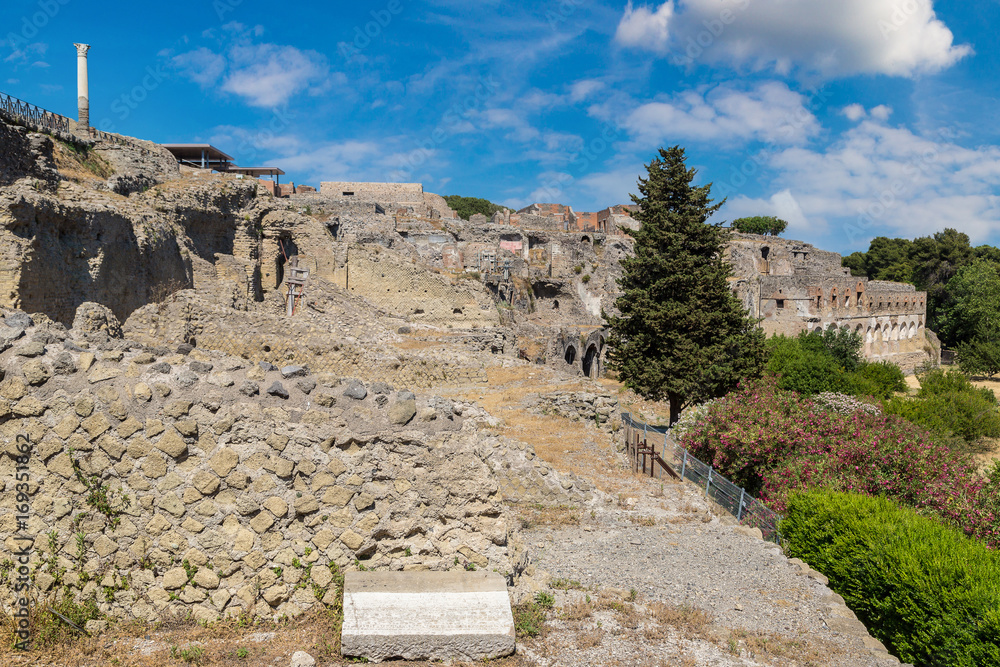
x,y
457,311
764,252
570,355
286,250
590,363
585,239
555,305
279,270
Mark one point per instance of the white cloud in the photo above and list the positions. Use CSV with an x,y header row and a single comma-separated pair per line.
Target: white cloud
x,y
881,112
268,75
645,28
893,37
854,112
265,75
882,180
770,112
203,66
583,89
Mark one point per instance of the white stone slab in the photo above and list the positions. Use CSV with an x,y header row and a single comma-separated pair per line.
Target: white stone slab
x,y
426,616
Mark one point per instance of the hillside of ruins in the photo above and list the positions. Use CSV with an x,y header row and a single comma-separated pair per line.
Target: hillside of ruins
x,y
275,384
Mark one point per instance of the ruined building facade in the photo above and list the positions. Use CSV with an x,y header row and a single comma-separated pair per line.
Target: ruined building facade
x,y
790,286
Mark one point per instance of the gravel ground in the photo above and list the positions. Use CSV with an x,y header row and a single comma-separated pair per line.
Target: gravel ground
x,y
639,564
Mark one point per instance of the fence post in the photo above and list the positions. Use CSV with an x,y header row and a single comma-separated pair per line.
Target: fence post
x,y
739,513
684,464
708,484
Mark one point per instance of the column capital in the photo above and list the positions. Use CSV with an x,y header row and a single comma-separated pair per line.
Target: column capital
x,y
81,49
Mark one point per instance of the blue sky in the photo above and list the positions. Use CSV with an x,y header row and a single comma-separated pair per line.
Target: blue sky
x,y
850,119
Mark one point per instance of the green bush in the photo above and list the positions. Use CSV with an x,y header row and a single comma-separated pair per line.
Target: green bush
x,y
803,366
952,409
466,207
760,224
962,419
937,381
813,363
929,593
880,379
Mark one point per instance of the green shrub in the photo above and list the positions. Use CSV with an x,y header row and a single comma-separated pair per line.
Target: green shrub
x,y
952,409
466,207
929,593
937,381
760,224
804,368
961,418
880,379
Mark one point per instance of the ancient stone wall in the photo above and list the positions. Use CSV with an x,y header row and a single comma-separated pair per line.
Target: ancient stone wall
x,y
218,486
791,286
602,409
389,193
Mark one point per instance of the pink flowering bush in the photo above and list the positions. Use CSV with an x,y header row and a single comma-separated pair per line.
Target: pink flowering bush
x,y
774,442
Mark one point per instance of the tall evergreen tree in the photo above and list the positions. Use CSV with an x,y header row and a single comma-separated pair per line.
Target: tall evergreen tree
x,y
681,334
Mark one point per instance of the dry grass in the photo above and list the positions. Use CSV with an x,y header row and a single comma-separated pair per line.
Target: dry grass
x,y
577,611
691,621
81,166
757,644
556,440
642,520
547,515
589,639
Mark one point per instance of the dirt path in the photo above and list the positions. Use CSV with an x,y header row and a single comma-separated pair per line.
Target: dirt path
x,y
650,574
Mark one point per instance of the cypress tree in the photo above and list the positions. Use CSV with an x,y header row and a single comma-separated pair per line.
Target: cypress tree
x,y
682,335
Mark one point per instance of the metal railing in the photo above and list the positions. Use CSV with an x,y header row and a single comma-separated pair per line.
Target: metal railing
x,y
653,452
32,114
53,122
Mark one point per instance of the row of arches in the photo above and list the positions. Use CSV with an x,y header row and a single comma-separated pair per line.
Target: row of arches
x,y
591,361
886,338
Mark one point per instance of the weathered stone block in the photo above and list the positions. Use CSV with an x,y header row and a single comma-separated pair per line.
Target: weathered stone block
x,y
205,482
172,444
276,506
262,522
224,461
338,496
129,427
427,616
363,501
177,409
142,392
352,539
306,504
174,578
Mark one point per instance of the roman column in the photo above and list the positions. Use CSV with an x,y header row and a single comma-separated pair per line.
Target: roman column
x,y
83,95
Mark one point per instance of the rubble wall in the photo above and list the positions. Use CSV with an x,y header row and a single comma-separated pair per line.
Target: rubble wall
x,y
218,487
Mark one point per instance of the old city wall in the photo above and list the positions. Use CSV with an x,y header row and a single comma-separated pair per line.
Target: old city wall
x,y
792,287
398,193
228,494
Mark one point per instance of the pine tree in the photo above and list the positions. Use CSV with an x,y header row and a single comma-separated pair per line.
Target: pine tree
x,y
682,335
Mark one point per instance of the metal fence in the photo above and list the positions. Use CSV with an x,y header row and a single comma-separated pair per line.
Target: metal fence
x,y
32,114
655,453
46,120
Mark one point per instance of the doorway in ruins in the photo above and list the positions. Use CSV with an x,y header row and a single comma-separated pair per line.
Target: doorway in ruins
x,y
285,251
590,362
